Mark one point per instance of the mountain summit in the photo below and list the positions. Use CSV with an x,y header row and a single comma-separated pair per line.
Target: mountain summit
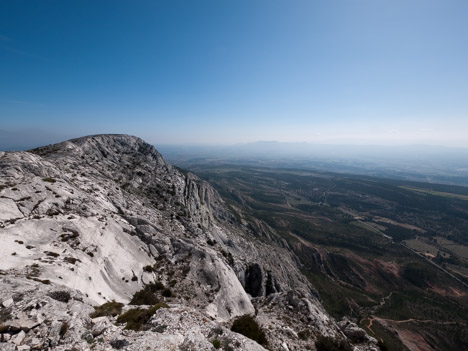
x,y
105,221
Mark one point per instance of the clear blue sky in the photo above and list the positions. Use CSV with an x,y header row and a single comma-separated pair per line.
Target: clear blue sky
x,y
228,71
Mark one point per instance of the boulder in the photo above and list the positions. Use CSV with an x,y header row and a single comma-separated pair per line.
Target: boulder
x,y
8,302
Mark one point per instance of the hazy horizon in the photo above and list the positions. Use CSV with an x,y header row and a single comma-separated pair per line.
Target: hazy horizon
x,y
28,139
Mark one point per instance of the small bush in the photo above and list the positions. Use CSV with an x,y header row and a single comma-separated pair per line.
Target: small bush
x,y
148,269
52,254
160,328
118,343
71,260
49,180
147,296
62,296
228,256
211,242
216,343
248,326
64,329
137,318
326,343
110,308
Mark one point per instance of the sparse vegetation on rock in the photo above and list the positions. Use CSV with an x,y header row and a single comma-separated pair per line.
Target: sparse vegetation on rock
x,y
137,318
248,326
148,269
216,343
111,308
147,295
60,295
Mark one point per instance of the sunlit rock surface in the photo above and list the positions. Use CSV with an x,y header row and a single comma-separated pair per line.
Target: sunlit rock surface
x,y
98,218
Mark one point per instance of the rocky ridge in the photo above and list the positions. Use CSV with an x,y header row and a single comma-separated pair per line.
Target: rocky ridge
x,y
97,219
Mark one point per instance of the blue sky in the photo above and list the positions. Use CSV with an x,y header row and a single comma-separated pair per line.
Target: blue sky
x,y
225,71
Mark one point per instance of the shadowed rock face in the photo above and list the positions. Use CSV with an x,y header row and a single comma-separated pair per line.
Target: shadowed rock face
x,y
253,280
100,217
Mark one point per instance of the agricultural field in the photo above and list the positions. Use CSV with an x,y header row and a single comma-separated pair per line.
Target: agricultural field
x,y
437,193
392,257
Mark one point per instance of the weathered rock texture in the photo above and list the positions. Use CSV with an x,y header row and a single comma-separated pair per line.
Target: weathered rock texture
x,y
98,218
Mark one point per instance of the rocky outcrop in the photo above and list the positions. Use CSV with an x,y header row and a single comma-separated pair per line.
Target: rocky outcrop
x,y
100,218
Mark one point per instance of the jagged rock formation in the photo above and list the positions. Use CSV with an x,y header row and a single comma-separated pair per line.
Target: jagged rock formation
x,y
99,218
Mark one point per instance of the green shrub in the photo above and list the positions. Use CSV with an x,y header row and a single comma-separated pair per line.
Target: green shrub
x,y
61,295
137,318
326,343
148,269
216,343
49,180
248,326
110,308
118,343
147,295
160,328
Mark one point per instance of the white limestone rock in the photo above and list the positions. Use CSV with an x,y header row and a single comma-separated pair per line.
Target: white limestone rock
x,y
18,339
100,217
8,302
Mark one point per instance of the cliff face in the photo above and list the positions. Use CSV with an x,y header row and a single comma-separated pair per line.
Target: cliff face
x,y
100,218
